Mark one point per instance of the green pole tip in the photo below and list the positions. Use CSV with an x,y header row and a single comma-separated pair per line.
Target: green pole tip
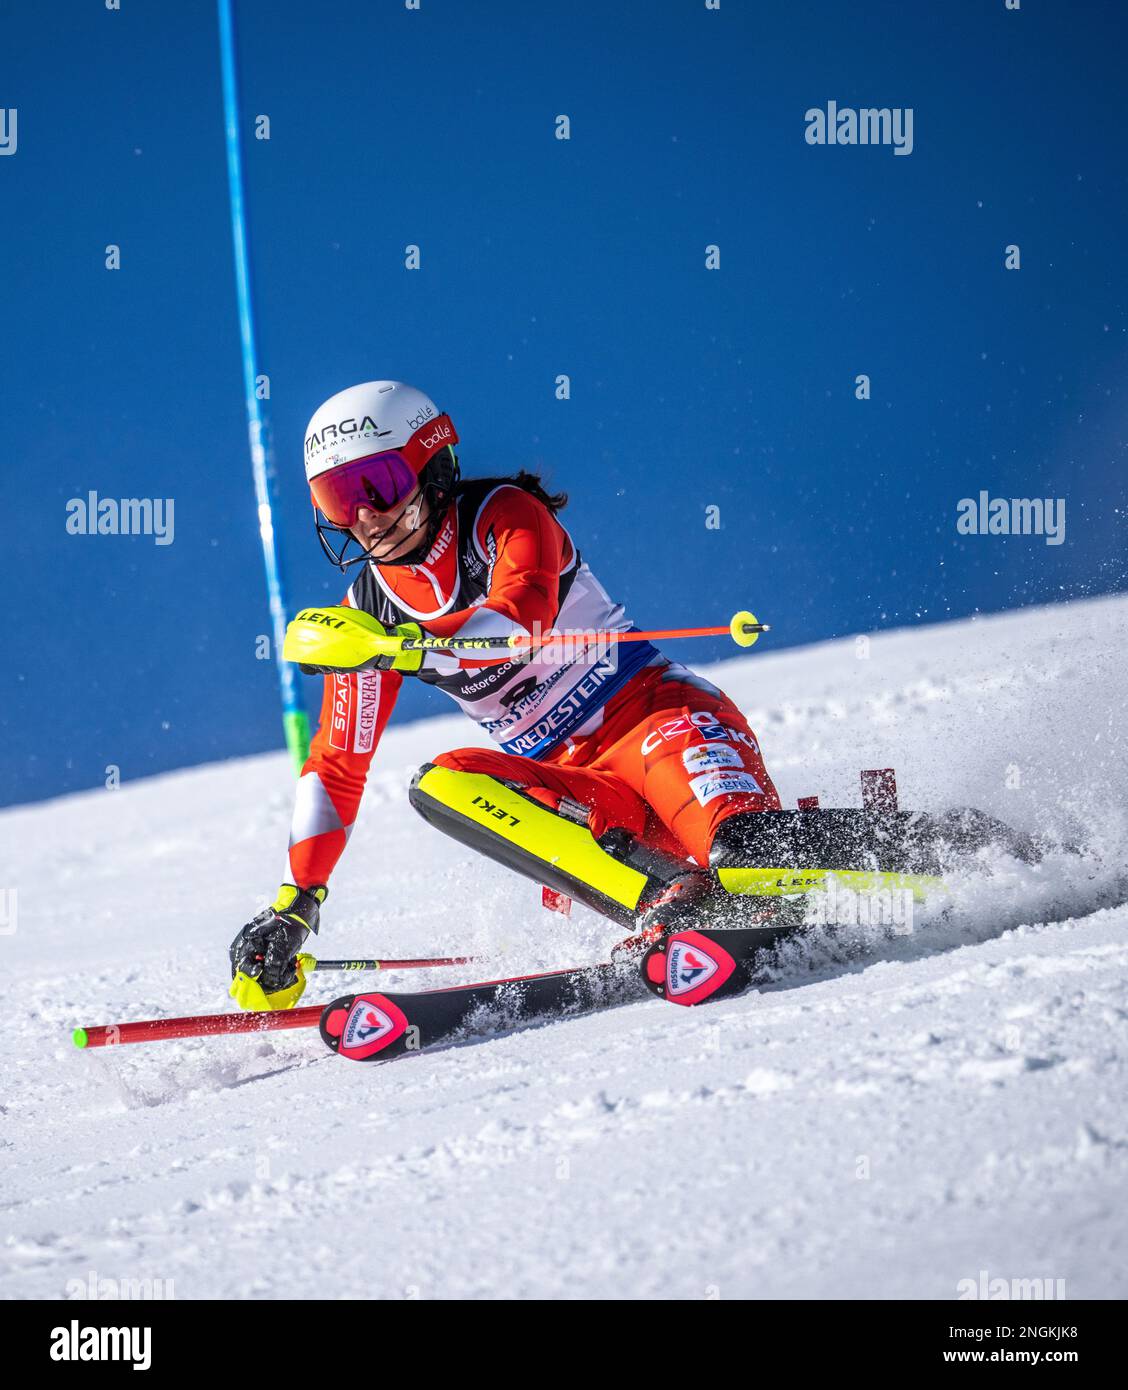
x,y
80,1038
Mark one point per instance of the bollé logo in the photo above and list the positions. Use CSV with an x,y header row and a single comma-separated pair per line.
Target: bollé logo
x,y
439,435
320,438
415,421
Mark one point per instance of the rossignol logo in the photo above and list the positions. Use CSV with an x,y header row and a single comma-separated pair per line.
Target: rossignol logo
x,y
366,1024
77,1343
343,429
687,967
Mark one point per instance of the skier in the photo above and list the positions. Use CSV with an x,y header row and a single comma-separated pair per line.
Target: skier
x,y
620,777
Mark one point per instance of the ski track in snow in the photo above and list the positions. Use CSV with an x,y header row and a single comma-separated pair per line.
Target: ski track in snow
x,y
884,1116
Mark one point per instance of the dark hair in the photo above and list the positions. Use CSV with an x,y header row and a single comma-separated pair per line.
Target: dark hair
x,y
527,482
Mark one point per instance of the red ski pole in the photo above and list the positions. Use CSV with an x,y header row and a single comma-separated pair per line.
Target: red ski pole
x,y
344,639
195,1026
207,1025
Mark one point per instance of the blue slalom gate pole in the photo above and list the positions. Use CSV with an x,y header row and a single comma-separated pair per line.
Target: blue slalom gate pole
x,y
294,719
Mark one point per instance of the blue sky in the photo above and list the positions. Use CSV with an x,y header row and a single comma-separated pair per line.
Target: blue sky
x,y
690,388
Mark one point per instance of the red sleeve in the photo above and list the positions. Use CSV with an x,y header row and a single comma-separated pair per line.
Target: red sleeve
x,y
527,548
354,712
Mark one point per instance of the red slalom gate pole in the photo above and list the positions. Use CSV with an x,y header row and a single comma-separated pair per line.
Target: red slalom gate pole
x,y
196,1026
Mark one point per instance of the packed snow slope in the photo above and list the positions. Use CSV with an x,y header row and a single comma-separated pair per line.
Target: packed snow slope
x,y
887,1116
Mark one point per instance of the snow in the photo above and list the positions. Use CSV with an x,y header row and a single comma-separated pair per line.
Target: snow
x,y
887,1116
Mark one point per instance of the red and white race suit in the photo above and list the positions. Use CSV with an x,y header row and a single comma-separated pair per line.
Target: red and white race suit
x,y
640,740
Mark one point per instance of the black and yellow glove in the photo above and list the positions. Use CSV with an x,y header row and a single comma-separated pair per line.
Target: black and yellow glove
x,y
265,970
409,663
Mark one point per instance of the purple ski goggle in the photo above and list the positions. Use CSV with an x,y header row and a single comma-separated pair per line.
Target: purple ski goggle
x,y
381,481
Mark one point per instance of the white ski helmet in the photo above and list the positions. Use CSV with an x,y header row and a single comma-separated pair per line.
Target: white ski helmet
x,y
371,446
